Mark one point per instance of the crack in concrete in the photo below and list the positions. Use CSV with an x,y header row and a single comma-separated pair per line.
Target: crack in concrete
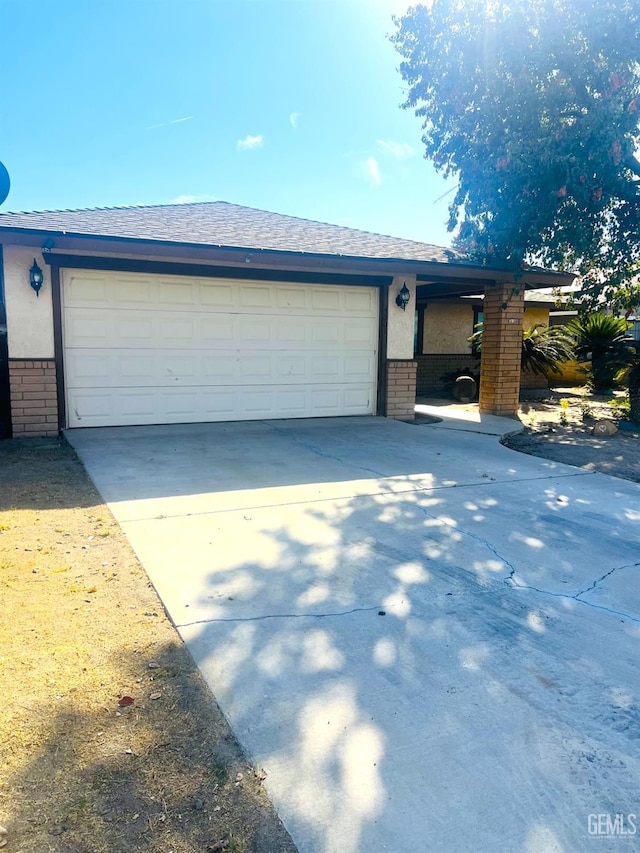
x,y
305,445
509,581
284,616
606,575
471,535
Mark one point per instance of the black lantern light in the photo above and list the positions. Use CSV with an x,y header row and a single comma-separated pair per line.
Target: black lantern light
x,y
36,277
402,299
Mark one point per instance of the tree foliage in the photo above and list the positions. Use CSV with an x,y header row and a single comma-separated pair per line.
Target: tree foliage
x,y
535,106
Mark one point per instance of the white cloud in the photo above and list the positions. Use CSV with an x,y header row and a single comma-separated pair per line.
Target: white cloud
x,y
249,143
372,170
174,121
396,149
191,199
293,119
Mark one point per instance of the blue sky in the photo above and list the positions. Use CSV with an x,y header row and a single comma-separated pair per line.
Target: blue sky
x,y
286,105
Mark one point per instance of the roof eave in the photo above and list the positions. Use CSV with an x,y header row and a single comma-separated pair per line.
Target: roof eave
x,y
270,257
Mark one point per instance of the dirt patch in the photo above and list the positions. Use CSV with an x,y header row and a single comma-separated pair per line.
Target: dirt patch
x,y
109,738
564,433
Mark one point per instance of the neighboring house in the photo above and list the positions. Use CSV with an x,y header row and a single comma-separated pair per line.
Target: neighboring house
x,y
217,312
443,328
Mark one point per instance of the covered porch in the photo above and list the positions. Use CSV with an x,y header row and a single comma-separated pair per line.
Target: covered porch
x,y
447,311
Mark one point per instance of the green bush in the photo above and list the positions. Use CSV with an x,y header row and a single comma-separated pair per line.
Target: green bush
x,y
604,342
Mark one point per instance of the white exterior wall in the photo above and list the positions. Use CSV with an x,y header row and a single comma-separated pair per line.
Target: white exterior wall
x,y
401,323
29,317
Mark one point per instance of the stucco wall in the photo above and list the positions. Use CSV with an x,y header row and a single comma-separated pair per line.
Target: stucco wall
x,y
29,317
535,316
401,323
447,327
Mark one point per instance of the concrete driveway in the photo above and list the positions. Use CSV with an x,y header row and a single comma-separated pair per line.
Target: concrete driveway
x,y
429,642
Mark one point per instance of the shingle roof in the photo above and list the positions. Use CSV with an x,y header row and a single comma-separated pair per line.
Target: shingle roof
x,y
221,224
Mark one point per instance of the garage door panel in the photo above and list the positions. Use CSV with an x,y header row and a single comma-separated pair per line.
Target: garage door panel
x,y
355,400
291,331
217,405
90,407
360,332
84,329
177,331
252,296
326,368
125,406
178,293
325,400
218,367
358,367
133,291
325,332
86,288
216,295
157,349
326,300
253,367
252,331
289,366
178,406
361,301
214,330
290,297
85,368
88,370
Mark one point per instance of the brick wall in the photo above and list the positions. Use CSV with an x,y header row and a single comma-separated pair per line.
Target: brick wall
x,y
431,369
34,405
530,380
501,349
401,390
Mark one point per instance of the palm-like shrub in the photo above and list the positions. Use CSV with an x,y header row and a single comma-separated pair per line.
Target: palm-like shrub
x,y
630,376
544,348
604,342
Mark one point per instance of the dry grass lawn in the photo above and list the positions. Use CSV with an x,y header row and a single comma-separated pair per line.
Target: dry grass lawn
x,y
84,768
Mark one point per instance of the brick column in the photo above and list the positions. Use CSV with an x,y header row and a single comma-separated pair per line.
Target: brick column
x,y
401,389
501,349
34,404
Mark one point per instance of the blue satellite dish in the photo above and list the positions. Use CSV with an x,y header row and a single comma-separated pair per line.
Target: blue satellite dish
x,y
5,183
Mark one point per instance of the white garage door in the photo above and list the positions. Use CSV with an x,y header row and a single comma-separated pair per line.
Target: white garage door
x,y
151,349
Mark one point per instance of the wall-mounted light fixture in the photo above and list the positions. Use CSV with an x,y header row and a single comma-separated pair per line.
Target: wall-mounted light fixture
x,y
36,277
402,299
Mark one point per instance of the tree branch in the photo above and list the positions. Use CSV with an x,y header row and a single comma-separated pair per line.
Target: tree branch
x,y
633,164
